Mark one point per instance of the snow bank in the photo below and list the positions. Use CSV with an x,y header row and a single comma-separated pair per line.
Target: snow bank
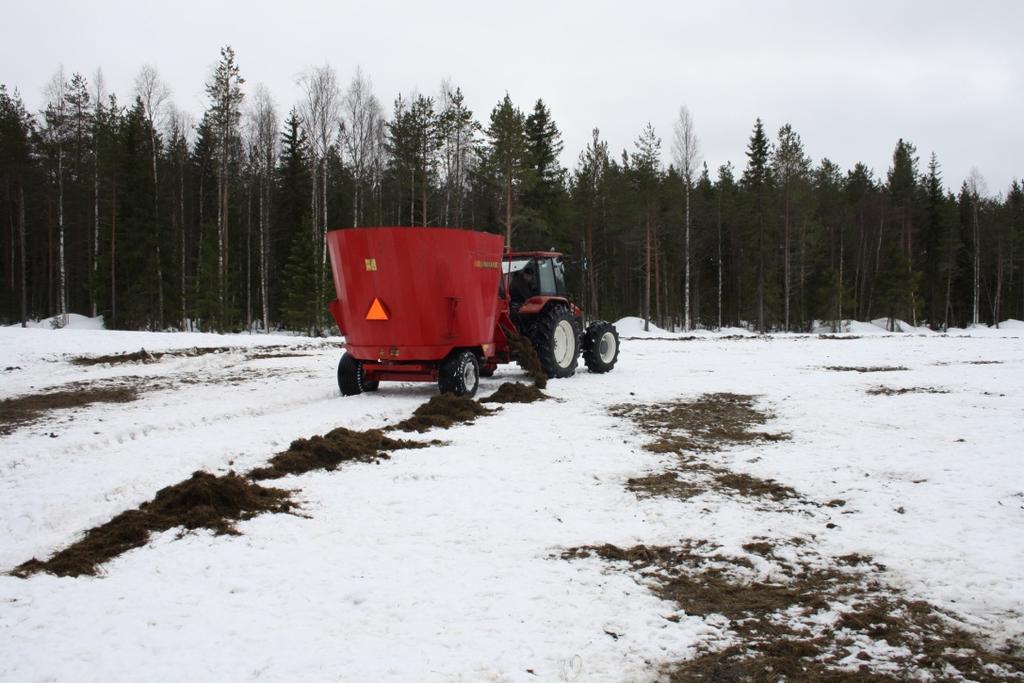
x,y
75,322
633,327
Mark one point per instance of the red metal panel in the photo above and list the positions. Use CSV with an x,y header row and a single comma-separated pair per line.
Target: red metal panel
x,y
439,287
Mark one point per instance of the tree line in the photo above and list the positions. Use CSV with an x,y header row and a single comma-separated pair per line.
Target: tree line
x,y
133,210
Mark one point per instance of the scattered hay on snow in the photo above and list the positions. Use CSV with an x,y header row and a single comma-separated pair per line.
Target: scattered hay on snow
x,y
328,451
515,392
201,501
861,368
21,410
805,623
443,410
524,353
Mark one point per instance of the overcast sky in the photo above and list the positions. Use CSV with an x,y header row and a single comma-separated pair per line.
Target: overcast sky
x,y
852,77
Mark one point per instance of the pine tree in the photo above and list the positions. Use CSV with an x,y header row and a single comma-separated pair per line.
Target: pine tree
x,y
300,310
1015,220
757,182
828,292
16,132
589,190
225,92
791,169
543,194
425,142
902,186
647,174
728,242
506,159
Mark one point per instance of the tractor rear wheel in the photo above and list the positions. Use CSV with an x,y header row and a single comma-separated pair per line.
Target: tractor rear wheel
x,y
351,378
555,337
459,374
600,347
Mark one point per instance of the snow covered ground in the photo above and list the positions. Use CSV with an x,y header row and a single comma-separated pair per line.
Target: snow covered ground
x,y
444,563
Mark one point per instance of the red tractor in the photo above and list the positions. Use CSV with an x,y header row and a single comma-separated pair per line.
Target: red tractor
x,y
439,305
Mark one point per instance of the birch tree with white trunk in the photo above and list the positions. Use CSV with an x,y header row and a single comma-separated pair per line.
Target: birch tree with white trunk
x,y
362,117
56,120
686,151
977,188
100,94
179,128
321,118
263,136
154,93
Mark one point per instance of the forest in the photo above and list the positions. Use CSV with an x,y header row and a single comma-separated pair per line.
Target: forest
x,y
131,209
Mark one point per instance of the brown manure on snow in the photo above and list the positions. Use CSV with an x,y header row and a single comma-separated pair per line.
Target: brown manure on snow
x,y
202,501
443,410
330,450
526,356
20,410
515,392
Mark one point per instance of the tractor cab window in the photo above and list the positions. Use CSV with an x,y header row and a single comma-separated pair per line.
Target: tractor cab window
x,y
559,267
552,276
523,278
546,271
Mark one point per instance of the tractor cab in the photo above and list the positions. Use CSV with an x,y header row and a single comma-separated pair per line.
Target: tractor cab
x,y
533,274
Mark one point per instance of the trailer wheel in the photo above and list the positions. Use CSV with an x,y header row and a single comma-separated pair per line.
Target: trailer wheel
x,y
459,374
351,379
555,338
600,347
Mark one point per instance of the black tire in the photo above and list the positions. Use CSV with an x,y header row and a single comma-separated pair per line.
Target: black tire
x,y
554,335
600,347
351,380
459,374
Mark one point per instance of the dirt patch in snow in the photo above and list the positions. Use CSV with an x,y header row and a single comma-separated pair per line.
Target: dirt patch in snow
x,y
703,425
753,487
203,501
515,392
892,391
328,451
21,410
443,411
524,354
253,353
266,356
784,610
862,368
693,481
144,356
970,362
708,423
664,484
816,618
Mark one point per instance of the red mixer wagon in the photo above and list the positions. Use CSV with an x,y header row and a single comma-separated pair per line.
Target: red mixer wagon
x,y
439,304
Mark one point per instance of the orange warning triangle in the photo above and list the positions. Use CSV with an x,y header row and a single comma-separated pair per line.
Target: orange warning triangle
x,y
377,311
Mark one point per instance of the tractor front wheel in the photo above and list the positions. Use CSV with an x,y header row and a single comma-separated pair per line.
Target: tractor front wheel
x,y
459,374
555,338
600,347
351,378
